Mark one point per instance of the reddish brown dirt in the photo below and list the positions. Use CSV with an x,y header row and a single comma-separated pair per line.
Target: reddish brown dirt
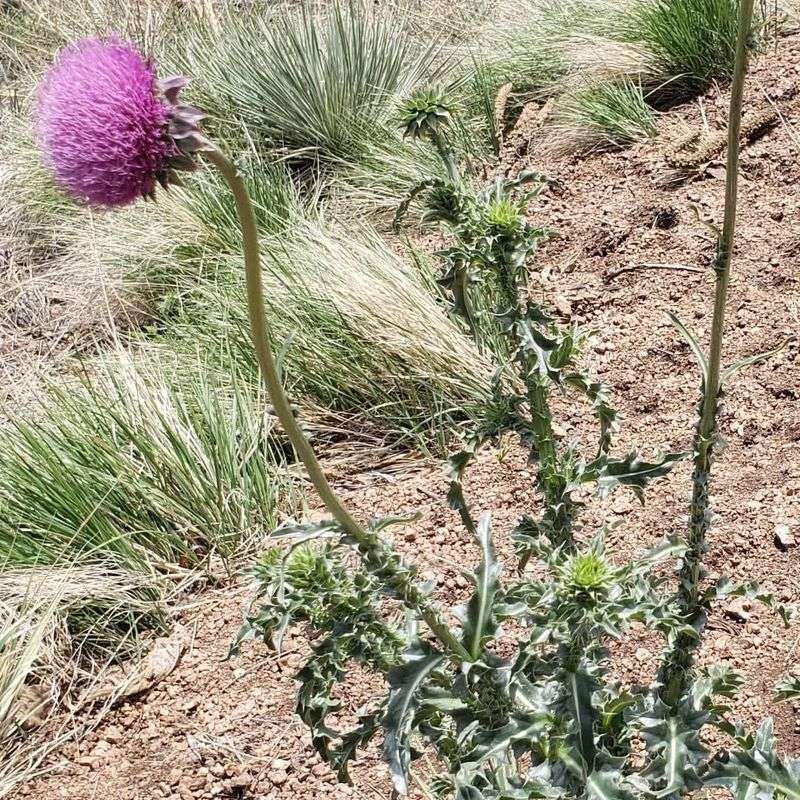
x,y
225,729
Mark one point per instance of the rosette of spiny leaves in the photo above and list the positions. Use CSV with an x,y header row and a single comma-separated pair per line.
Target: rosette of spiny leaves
x,y
424,116
526,712
528,709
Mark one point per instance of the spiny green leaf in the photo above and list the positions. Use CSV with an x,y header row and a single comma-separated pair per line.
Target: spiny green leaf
x,y
405,683
758,767
607,785
673,745
497,744
579,687
752,591
694,346
602,408
537,345
307,531
788,688
350,742
728,373
672,547
632,471
479,621
719,679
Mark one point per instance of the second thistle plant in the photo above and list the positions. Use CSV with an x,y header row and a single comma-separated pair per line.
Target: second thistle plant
x,y
544,719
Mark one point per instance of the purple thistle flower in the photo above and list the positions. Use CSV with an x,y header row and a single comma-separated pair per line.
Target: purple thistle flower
x,y
109,130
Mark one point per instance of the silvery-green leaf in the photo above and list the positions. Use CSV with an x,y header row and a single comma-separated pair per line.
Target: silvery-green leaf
x,y
788,688
607,785
728,373
609,473
606,414
672,547
479,620
694,345
405,682
307,531
758,772
497,744
752,591
718,679
673,745
579,687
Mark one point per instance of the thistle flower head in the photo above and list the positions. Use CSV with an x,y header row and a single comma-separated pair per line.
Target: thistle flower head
x,y
589,571
109,130
423,114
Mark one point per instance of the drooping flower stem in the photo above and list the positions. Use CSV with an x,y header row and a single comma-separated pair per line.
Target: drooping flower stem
x,y
691,575
369,544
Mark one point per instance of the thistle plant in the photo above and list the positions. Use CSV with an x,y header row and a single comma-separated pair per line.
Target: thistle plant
x,y
102,98
694,599
511,694
548,720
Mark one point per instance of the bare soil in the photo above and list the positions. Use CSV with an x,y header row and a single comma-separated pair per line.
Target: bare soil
x,y
216,728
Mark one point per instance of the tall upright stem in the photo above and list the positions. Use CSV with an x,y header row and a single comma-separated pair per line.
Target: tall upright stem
x,y
262,341
722,266
675,671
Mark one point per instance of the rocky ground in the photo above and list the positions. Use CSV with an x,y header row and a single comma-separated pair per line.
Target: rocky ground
x,y
632,234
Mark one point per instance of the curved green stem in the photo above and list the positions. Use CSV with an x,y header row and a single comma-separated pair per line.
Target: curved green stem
x,y
262,341
367,541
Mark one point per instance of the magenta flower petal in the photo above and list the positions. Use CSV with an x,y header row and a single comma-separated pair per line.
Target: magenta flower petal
x,y
103,124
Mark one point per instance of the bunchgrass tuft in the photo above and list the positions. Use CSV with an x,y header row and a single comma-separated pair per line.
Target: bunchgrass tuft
x,y
32,206
603,115
60,627
314,86
147,471
693,42
359,331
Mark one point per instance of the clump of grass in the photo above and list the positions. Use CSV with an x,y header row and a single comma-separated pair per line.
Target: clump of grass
x,y
136,469
535,46
604,115
59,628
315,86
24,633
31,33
539,50
32,205
693,42
365,335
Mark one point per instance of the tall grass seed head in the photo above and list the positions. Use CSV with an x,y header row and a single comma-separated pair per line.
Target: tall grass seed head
x,y
108,129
